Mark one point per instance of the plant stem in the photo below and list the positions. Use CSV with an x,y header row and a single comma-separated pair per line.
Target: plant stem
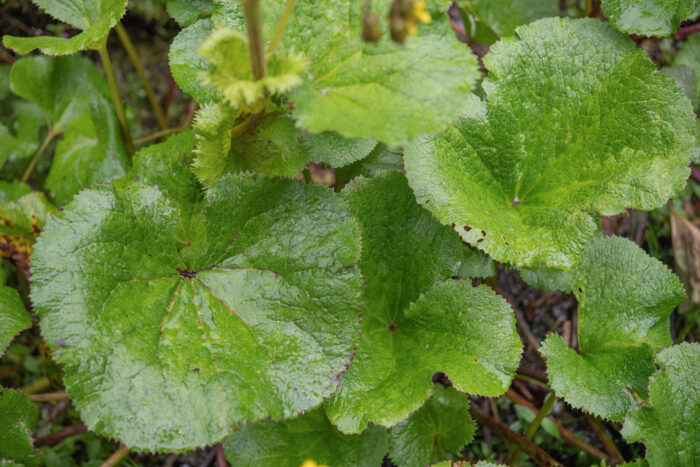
x,y
220,458
684,331
115,458
156,135
286,14
253,22
118,105
57,437
49,396
41,384
534,426
131,52
527,446
28,171
532,380
608,443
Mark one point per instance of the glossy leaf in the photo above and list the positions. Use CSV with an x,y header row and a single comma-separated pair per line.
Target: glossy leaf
x,y
94,17
668,426
625,299
649,17
440,428
569,131
13,316
309,436
413,326
19,416
177,316
187,65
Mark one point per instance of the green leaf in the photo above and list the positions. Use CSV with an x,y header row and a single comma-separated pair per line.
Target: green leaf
x,y
11,191
61,86
568,132
20,223
187,65
336,151
13,316
94,17
90,152
625,299
186,12
503,16
649,17
386,91
413,326
442,427
176,316
668,427
231,71
308,437
23,139
474,264
689,55
686,79
19,416
545,278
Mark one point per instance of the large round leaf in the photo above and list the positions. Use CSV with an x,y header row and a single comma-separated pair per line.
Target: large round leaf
x,y
577,123
177,316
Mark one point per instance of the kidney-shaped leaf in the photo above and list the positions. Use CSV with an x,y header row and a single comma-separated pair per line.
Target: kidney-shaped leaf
x,y
625,299
412,326
177,316
649,17
94,17
577,122
308,437
669,426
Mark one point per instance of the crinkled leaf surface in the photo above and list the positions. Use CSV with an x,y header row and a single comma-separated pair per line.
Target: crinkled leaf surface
x,y
503,16
19,416
177,316
442,427
13,316
187,65
94,17
336,151
669,426
91,151
649,17
231,71
412,326
309,436
578,122
385,91
625,299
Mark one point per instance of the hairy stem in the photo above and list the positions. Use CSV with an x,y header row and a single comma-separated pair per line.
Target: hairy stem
x,y
286,14
118,104
535,425
28,171
131,52
253,23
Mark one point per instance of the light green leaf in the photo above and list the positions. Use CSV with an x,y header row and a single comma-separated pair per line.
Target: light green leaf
x,y
11,191
386,91
213,124
231,72
19,416
545,278
308,437
176,317
668,427
187,65
475,263
94,17
501,17
336,151
186,12
13,316
649,17
61,86
442,427
625,299
381,159
569,131
689,55
413,326
686,79
91,151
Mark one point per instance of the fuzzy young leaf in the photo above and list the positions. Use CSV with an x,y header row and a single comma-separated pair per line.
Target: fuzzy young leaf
x,y
19,416
385,91
94,17
668,427
625,299
309,436
412,326
650,17
442,427
187,66
568,131
177,316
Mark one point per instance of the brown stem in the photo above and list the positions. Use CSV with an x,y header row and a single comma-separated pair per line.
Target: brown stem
x,y
566,434
527,446
49,396
220,458
57,437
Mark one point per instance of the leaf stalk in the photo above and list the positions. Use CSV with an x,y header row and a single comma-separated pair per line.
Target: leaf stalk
x,y
116,98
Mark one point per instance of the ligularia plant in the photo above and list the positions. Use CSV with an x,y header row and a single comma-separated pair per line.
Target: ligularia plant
x,y
200,290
